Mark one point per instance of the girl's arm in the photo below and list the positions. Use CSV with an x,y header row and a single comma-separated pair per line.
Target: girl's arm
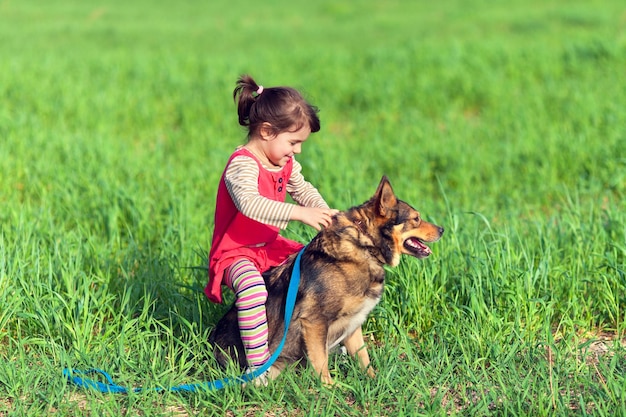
x,y
312,209
241,180
302,191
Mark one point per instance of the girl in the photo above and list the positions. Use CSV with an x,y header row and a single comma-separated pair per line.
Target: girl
x,y
251,208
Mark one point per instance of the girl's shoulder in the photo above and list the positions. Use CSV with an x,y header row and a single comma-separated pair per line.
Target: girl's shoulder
x,y
242,163
241,151
242,156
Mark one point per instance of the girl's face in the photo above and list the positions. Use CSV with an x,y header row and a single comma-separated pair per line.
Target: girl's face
x,y
281,148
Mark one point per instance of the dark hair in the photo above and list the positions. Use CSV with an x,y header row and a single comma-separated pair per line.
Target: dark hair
x,y
283,108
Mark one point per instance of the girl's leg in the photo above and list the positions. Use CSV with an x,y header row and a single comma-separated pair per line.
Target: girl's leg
x,y
249,287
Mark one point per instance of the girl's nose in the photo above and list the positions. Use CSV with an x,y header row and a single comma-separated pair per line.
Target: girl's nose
x,y
297,149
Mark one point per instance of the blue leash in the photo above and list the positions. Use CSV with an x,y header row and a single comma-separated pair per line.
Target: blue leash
x,y
78,377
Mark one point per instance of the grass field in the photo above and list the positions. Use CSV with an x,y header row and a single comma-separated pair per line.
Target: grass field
x,y
504,122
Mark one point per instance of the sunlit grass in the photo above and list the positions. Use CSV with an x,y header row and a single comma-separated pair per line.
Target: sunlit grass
x,y
502,123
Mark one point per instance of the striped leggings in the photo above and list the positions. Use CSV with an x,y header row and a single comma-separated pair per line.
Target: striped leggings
x,y
247,283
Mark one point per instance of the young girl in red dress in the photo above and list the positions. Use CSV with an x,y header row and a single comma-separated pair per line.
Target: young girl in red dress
x,y
251,208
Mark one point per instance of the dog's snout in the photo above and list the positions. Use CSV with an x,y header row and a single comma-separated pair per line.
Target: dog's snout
x,y
441,230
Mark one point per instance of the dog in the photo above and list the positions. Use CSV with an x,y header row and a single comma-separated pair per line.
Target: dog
x,y
342,280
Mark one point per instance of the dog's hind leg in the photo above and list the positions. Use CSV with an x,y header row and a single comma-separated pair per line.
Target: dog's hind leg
x,y
355,345
226,341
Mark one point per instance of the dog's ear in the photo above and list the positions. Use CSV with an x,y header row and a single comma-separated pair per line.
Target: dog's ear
x,y
385,198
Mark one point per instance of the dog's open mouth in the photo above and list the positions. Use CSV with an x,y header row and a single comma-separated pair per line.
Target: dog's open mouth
x,y
417,248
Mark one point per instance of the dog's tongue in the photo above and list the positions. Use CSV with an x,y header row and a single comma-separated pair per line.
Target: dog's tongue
x,y
423,247
419,247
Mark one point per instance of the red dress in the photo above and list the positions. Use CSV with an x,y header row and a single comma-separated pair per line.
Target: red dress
x,y
236,236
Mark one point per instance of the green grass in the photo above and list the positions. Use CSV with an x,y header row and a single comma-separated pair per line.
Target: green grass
x,y
501,121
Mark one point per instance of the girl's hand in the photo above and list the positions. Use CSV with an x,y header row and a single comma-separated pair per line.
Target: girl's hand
x,y
315,217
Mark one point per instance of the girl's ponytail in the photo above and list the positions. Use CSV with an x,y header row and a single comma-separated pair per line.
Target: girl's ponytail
x,y
245,95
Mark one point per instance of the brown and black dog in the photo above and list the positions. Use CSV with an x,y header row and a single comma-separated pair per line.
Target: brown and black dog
x,y
342,278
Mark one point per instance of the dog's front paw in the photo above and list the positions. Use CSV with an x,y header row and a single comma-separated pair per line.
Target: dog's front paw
x,y
327,380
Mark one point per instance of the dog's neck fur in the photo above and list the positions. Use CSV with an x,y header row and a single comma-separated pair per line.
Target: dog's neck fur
x,y
362,228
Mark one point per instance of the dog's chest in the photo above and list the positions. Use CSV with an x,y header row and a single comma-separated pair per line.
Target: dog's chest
x,y
351,320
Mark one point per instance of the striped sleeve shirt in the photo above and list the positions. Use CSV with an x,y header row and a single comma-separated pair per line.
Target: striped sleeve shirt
x,y
241,180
